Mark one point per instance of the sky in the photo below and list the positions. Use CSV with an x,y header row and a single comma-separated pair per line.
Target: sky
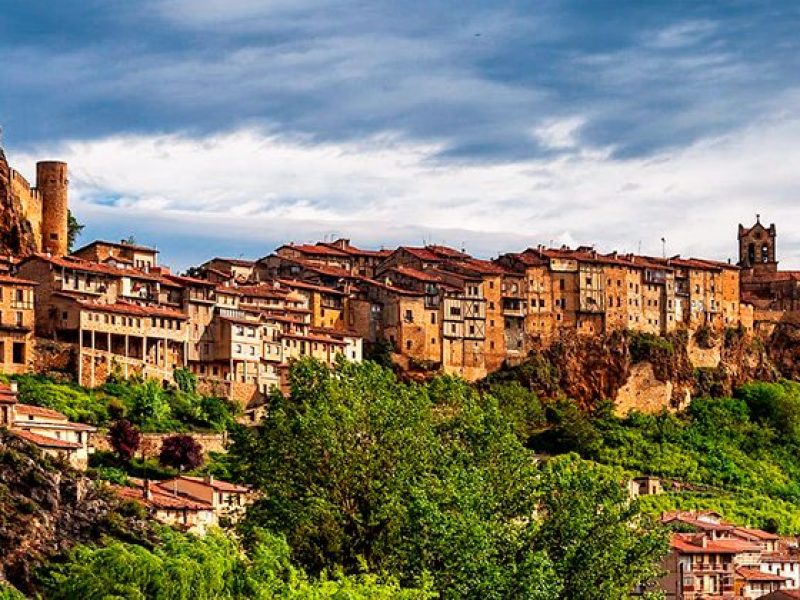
x,y
228,127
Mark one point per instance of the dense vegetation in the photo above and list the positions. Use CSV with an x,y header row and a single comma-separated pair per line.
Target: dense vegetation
x,y
739,454
147,404
208,568
375,488
361,471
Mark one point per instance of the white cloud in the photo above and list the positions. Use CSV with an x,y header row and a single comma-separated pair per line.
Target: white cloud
x,y
251,185
559,134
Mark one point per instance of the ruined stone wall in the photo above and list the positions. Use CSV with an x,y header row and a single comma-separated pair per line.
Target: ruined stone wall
x,y
151,443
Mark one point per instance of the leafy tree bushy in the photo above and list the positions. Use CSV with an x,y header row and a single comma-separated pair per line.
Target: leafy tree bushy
x,y
359,470
737,454
181,452
207,568
147,404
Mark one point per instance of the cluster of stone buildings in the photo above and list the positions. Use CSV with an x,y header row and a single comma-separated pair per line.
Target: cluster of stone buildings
x,y
237,324
711,558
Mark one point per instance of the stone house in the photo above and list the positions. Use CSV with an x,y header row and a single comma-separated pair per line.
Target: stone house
x,y
17,321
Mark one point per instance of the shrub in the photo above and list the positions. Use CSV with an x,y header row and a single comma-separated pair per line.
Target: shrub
x,y
125,439
181,452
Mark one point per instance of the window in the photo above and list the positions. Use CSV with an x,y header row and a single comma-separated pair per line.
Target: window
x,y
18,353
408,345
433,341
433,318
561,284
409,316
764,253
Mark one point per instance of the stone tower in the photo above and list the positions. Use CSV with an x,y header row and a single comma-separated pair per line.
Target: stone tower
x,y
52,183
757,247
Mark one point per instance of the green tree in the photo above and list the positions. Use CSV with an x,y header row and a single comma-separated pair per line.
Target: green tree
x,y
360,470
184,567
74,230
600,544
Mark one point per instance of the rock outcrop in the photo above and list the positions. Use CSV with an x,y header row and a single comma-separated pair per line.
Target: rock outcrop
x,y
651,373
46,508
16,233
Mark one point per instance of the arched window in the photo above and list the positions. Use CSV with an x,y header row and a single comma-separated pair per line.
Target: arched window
x,y
765,253
751,254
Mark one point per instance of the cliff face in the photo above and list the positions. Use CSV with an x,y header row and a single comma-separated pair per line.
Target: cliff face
x,y
16,233
45,509
651,373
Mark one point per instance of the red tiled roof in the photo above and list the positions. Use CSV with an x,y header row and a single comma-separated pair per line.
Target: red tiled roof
x,y
185,280
755,575
756,533
237,262
80,264
315,250
263,291
47,442
125,245
303,285
412,273
446,252
688,544
353,251
219,485
126,308
38,411
420,253
16,280
159,499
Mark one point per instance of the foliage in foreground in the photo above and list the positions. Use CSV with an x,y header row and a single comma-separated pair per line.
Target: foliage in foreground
x,y
146,404
359,470
740,453
207,568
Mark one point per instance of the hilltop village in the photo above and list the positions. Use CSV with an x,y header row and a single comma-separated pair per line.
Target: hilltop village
x,y
237,324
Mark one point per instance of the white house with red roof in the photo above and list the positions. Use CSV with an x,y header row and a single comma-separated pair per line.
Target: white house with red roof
x,y
48,429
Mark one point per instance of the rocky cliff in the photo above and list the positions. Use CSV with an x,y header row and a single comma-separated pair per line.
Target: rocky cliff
x,y
652,373
16,233
46,508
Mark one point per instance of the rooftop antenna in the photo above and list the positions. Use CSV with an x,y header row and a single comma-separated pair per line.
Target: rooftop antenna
x,y
663,247
639,246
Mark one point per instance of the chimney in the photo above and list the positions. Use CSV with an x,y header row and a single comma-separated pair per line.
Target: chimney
x,y
146,490
14,387
209,479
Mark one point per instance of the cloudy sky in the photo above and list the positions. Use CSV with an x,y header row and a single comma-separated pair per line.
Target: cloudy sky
x,y
226,127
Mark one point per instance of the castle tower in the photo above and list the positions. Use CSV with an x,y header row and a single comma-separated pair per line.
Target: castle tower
x,y
52,182
757,247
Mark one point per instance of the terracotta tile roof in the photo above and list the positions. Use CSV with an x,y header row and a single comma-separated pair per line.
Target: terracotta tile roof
x,y
237,262
755,575
217,484
124,245
412,273
263,291
160,499
756,533
303,285
185,280
38,411
353,251
87,266
315,249
485,267
693,544
446,252
420,253
127,308
44,441
16,280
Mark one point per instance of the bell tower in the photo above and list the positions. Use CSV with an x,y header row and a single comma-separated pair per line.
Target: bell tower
x,y
757,247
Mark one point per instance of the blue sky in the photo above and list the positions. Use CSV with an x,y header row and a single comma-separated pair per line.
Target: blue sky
x,y
229,126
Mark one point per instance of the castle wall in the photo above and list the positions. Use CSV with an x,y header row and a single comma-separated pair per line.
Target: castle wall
x,y
30,201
